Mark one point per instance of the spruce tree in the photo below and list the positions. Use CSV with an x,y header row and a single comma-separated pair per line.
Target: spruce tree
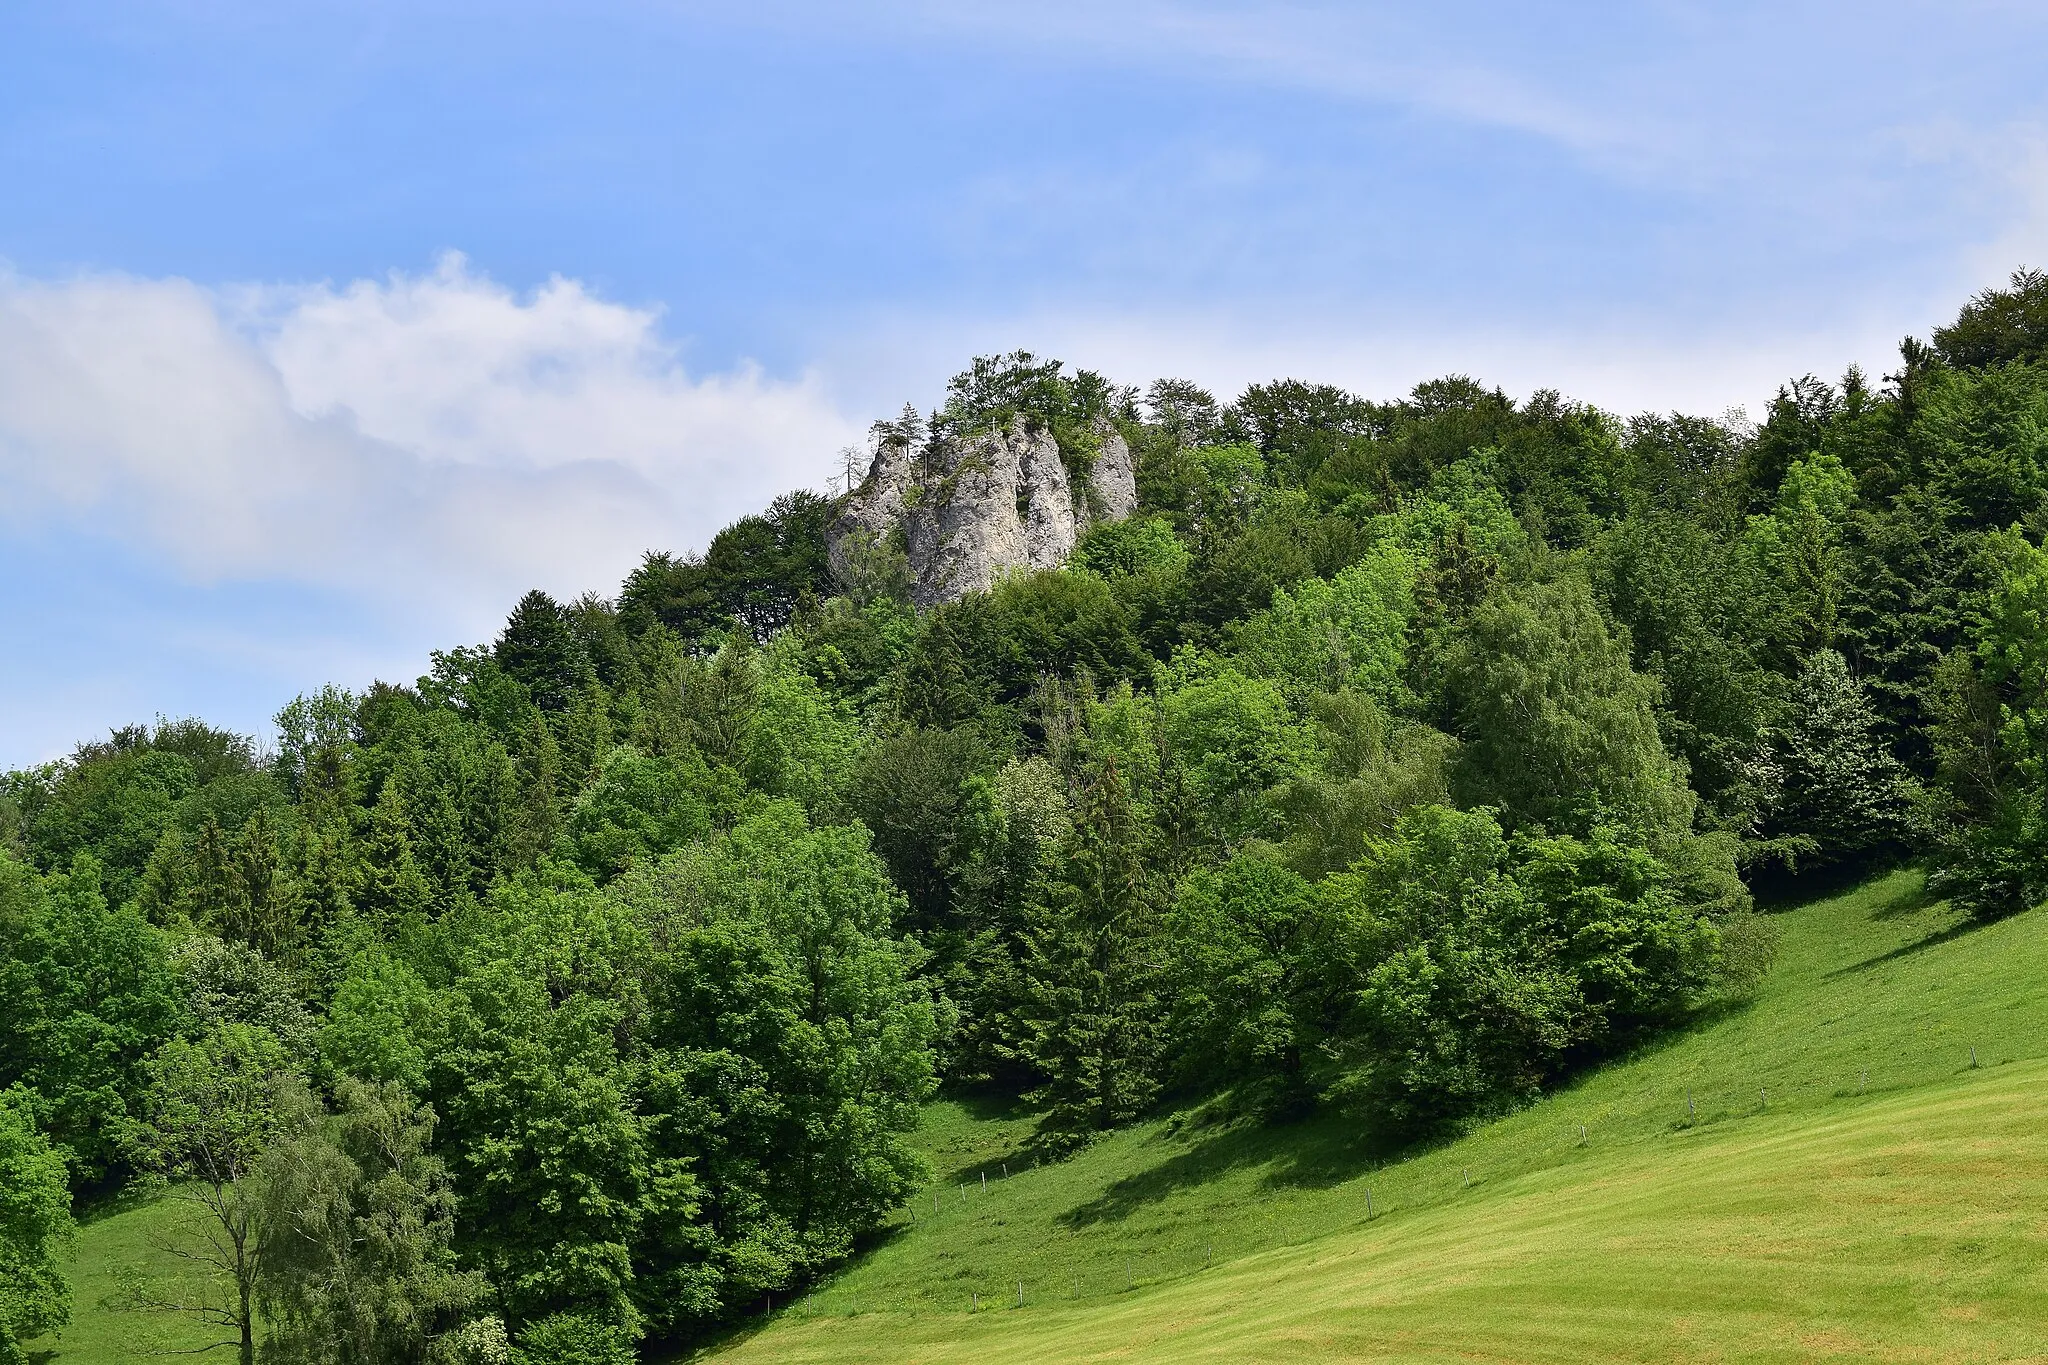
x,y
540,650
264,901
535,819
216,896
393,888
1091,1013
1842,788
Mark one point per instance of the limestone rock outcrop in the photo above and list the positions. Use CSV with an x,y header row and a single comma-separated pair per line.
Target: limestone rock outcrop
x,y
973,509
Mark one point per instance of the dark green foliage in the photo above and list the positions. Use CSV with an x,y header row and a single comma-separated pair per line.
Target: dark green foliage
x,y
1183,412
910,791
755,575
1694,610
1254,991
1487,963
392,889
789,1047
637,807
1991,807
1999,325
995,646
1301,426
525,1069
1090,1015
538,649
232,983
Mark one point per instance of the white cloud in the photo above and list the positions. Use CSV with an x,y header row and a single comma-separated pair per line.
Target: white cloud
x,y
436,440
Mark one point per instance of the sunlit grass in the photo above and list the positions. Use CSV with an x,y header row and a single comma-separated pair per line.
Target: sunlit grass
x,y
113,1239
1843,1182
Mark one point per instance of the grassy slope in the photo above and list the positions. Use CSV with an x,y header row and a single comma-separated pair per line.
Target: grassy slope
x,y
112,1240
1905,1221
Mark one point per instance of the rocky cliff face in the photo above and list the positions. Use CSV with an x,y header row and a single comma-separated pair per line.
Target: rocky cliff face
x,y
971,510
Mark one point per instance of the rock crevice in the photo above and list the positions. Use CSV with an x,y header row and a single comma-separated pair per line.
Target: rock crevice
x,y
972,509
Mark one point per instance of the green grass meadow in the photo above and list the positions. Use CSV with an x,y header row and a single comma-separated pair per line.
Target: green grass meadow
x,y
1845,1184
1820,1174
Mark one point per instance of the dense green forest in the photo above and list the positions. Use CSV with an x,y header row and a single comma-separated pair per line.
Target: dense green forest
x,y
1397,760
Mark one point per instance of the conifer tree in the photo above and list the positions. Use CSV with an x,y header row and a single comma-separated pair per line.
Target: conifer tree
x,y
165,892
536,816
216,889
1091,1014
585,737
539,649
393,888
263,900
1841,788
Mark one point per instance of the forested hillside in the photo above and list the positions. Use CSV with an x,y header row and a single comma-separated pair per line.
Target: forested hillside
x,y
1393,759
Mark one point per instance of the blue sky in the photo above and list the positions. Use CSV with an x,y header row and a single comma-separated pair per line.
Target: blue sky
x,y
327,329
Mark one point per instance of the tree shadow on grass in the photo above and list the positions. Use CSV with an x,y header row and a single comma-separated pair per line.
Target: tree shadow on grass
x,y
758,1316
1916,899
1312,1153
1919,945
1023,1151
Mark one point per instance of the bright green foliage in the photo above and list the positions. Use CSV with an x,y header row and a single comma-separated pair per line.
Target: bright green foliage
x,y
215,1106
1800,554
1354,774
637,807
377,1024
1238,740
1372,769
1349,632
1486,962
1253,989
525,1069
1134,546
1558,728
803,743
1251,1240
393,889
1458,1007
87,993
574,1339
35,1220
789,1047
